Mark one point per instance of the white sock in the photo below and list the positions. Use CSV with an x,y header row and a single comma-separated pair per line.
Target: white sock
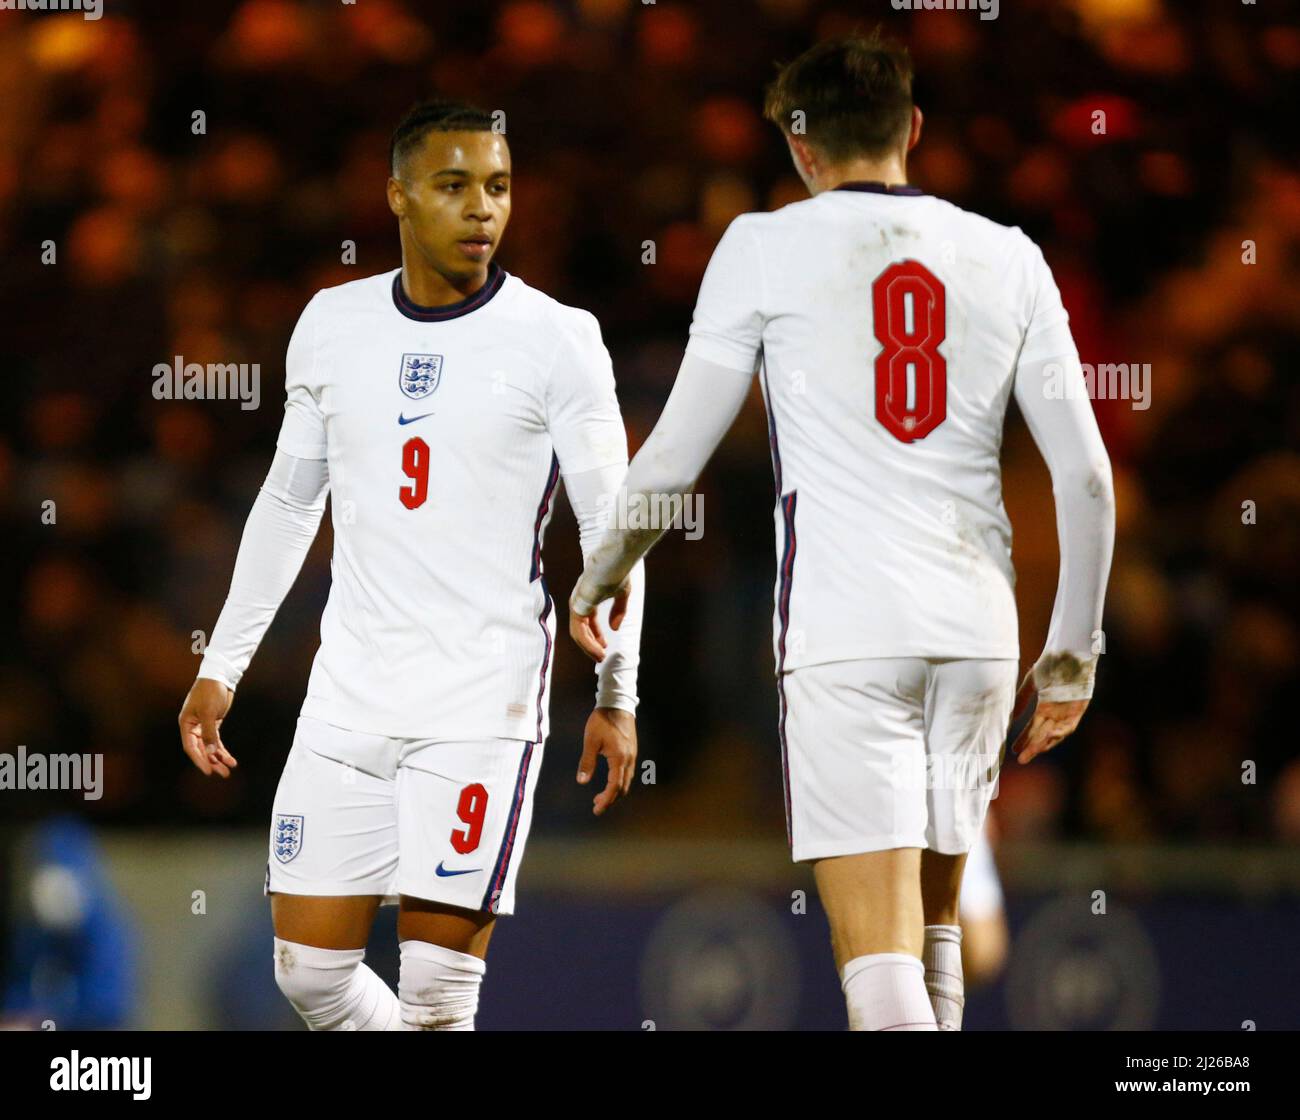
x,y
943,975
886,992
438,987
333,990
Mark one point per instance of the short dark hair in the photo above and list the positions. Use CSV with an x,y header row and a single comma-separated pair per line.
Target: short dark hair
x,y
855,92
435,115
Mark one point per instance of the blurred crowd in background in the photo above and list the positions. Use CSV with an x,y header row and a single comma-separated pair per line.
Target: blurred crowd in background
x,y
1174,235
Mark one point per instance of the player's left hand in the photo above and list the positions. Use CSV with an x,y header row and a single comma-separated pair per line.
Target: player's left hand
x,y
585,628
1052,722
610,732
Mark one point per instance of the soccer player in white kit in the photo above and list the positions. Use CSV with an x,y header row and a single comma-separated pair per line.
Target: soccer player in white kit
x,y
439,404
889,329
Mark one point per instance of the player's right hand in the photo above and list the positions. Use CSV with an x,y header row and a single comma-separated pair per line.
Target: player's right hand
x,y
200,719
1052,722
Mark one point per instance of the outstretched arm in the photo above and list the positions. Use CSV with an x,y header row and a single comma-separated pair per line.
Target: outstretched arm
x,y
714,378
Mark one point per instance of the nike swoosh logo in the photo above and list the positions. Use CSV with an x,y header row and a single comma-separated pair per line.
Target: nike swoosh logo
x,y
443,873
411,419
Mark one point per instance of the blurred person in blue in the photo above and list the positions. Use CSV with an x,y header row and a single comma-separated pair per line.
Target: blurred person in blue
x,y
69,951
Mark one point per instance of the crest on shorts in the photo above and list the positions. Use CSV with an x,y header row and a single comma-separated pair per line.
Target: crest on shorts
x,y
286,837
420,375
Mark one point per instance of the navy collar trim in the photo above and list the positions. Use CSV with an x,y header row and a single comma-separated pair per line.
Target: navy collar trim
x,y
412,310
879,188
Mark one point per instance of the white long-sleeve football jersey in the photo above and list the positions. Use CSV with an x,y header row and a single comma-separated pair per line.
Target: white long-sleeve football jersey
x,y
446,431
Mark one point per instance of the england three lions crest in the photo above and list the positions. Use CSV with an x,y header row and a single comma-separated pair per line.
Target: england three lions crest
x,y
286,837
420,374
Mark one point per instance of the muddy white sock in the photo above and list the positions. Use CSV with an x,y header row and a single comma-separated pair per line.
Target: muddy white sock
x,y
333,990
438,987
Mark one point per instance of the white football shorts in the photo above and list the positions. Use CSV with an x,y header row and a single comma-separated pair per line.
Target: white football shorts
x,y
891,752
363,814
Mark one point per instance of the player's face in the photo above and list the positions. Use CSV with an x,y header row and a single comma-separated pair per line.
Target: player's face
x,y
452,198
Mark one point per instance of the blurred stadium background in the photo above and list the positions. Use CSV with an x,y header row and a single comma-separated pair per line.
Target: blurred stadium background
x,y
632,122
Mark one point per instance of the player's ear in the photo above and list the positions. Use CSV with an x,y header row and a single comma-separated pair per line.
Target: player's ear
x,y
396,197
915,134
